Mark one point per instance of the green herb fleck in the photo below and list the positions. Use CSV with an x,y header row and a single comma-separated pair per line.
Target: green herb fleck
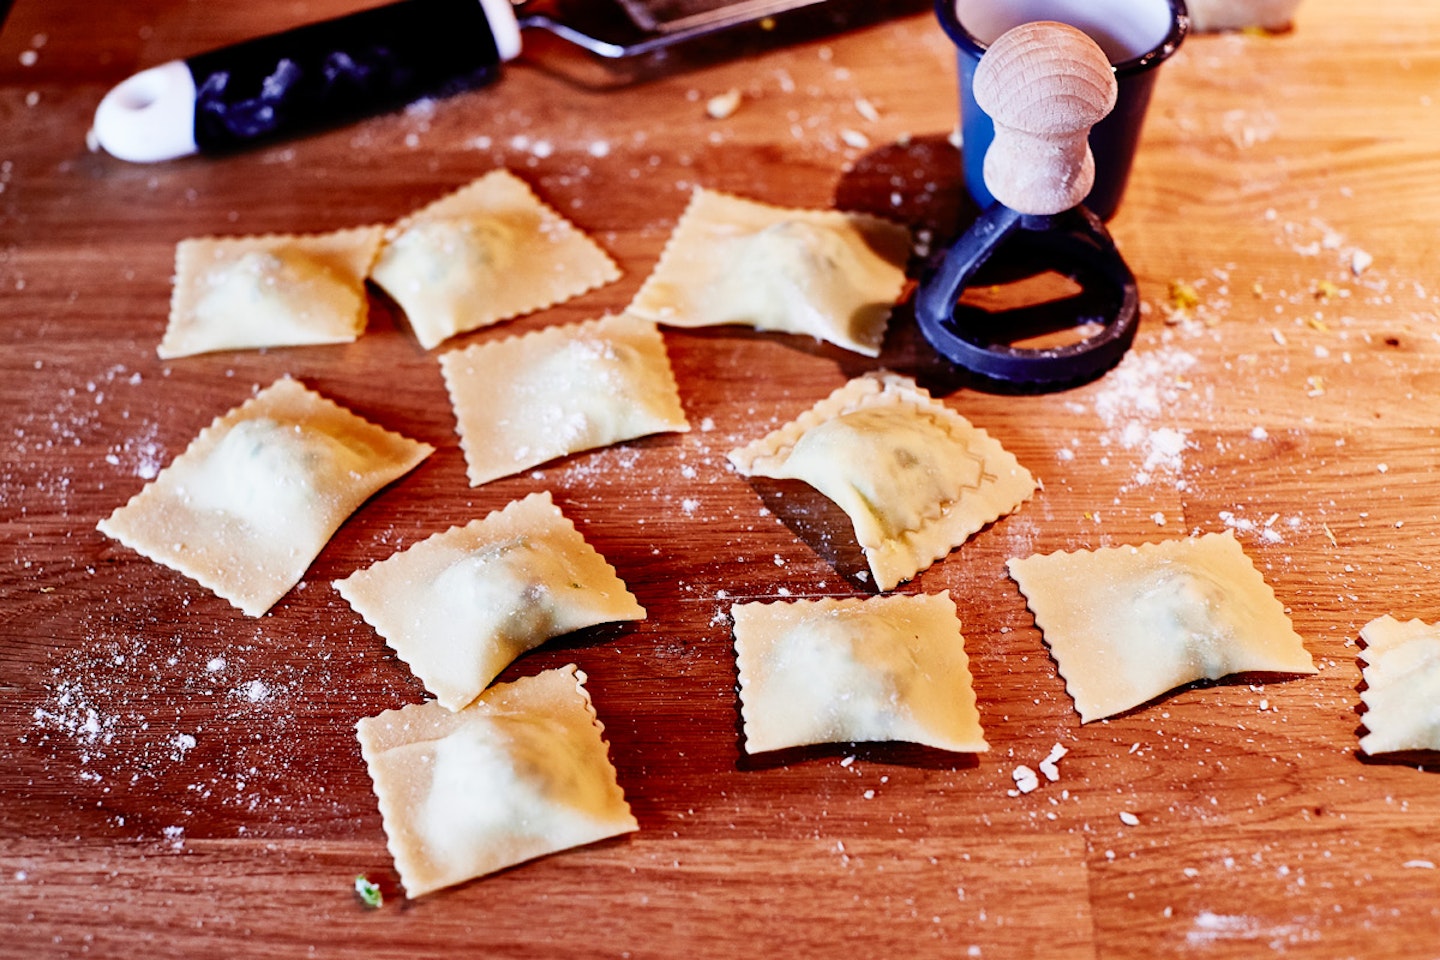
x,y
368,892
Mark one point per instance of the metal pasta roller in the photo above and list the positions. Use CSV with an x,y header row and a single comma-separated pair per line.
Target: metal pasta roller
x,y
1044,85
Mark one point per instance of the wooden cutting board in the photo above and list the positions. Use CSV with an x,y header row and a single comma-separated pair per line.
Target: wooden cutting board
x,y
177,779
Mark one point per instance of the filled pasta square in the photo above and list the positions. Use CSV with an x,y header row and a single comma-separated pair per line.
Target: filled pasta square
x,y
522,772
1402,685
488,252
1126,624
462,605
831,275
256,496
837,671
526,400
245,293
915,478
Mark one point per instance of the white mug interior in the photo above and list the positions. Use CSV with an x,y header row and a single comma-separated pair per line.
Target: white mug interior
x,y
1124,29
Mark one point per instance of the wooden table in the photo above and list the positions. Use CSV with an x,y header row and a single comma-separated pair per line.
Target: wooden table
x,y
177,779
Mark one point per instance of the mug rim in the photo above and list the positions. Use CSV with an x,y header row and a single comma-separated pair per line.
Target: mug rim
x,y
1179,28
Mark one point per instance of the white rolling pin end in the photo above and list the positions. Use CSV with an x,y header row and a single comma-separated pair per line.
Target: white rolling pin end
x,y
150,116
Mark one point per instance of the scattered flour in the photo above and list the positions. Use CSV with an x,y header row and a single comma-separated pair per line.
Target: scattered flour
x,y
72,712
1268,530
1210,927
255,691
1137,403
182,743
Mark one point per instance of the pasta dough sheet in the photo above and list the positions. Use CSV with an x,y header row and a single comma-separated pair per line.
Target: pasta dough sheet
x,y
836,671
488,252
1126,624
244,293
526,400
834,276
1402,685
522,772
257,495
915,478
462,605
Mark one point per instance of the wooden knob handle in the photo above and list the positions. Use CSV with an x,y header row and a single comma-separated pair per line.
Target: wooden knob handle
x,y
1044,85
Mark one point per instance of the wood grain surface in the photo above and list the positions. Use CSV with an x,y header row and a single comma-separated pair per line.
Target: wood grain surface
x,y
179,780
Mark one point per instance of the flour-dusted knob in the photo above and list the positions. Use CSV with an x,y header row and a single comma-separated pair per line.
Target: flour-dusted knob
x,y
1044,85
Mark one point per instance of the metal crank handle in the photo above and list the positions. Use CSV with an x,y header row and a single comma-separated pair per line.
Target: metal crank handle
x,y
306,79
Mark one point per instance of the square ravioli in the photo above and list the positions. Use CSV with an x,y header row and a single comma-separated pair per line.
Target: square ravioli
x,y
257,495
1217,15
1402,685
915,478
838,671
1126,624
244,293
832,275
522,772
526,400
462,605
485,253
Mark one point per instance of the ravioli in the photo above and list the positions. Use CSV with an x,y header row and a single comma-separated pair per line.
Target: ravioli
x,y
488,252
1126,624
526,400
1402,685
522,772
1217,15
462,605
245,293
915,478
831,275
256,496
837,671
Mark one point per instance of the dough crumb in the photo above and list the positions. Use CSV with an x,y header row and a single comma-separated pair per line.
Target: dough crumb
x,y
723,105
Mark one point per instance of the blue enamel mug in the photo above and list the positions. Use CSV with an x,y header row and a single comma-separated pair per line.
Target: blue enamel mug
x,y
1136,35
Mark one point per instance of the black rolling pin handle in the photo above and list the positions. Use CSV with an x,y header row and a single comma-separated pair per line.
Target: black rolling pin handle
x,y
327,73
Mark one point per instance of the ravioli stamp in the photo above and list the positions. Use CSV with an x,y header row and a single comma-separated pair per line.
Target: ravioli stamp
x,y
526,400
522,772
245,293
1402,685
832,275
257,495
459,607
488,252
916,479
1126,624
837,671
